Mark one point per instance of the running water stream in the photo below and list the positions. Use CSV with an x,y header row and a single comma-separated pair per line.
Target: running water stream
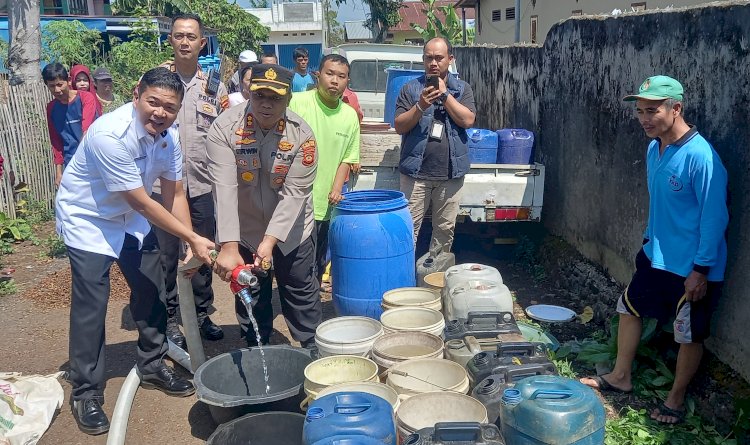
x,y
260,344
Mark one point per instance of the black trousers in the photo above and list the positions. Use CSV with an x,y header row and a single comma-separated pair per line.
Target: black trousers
x,y
88,311
321,246
204,224
299,291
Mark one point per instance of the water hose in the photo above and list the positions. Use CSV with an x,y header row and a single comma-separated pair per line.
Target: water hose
x,y
189,315
120,417
180,356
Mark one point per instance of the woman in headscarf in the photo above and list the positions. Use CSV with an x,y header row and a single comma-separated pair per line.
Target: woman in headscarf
x,y
80,79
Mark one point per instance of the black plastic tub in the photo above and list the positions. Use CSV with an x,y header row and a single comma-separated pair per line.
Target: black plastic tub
x,y
261,429
232,384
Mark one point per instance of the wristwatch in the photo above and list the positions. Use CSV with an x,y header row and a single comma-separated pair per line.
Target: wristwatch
x,y
444,96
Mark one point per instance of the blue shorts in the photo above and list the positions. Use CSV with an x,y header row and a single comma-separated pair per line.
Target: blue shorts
x,y
656,293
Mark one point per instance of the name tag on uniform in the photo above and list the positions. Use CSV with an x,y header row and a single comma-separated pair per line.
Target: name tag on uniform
x,y
436,130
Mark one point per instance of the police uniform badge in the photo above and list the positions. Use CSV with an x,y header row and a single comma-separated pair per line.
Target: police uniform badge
x,y
224,101
278,180
244,132
249,120
285,145
242,162
281,169
245,141
247,176
280,126
308,153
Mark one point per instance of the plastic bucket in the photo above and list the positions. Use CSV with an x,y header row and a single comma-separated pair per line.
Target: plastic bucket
x,y
412,297
378,389
347,336
413,319
435,281
232,384
414,377
260,429
396,80
371,235
398,347
425,410
337,369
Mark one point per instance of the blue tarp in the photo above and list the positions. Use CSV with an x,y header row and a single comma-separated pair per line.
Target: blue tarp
x,y
97,24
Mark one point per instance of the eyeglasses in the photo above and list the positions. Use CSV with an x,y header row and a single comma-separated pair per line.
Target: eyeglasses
x,y
179,37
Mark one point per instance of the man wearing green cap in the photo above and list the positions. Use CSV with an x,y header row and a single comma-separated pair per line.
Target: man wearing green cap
x,y
680,269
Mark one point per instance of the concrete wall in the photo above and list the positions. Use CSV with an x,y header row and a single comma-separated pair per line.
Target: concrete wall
x,y
549,12
593,147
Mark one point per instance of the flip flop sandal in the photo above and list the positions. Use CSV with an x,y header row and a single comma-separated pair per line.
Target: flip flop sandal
x,y
664,410
604,385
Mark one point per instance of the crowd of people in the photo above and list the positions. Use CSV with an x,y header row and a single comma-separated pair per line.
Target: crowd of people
x,y
254,171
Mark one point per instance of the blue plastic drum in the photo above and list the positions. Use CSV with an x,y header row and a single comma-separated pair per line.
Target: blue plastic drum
x,y
372,250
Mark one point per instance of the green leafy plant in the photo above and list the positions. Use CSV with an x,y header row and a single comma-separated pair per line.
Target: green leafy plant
x,y
54,246
39,212
526,256
70,42
8,287
451,27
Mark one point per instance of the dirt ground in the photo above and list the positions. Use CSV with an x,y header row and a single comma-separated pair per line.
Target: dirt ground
x,y
34,327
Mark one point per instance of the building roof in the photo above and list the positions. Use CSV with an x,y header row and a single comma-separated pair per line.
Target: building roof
x,y
356,30
415,12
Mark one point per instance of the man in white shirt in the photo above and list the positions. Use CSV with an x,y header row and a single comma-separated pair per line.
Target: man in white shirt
x,y
103,211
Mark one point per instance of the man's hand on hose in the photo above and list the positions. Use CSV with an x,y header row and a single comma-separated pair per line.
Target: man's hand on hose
x,y
229,258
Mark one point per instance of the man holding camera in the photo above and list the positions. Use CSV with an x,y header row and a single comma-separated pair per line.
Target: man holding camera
x,y
433,113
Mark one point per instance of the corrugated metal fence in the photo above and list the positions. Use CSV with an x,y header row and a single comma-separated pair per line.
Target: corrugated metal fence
x,y
25,146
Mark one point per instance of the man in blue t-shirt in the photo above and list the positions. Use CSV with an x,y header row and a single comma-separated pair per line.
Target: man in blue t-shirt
x,y
302,79
680,269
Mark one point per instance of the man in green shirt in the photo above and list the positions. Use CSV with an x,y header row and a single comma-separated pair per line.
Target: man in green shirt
x,y
336,129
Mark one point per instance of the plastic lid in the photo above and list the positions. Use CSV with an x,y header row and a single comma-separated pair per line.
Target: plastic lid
x,y
550,313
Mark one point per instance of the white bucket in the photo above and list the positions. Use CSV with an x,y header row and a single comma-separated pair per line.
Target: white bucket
x,y
347,336
427,375
425,410
401,346
435,281
381,390
412,297
413,319
337,369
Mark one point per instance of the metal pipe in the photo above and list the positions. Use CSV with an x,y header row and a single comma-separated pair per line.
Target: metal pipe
x,y
190,315
463,22
518,21
120,417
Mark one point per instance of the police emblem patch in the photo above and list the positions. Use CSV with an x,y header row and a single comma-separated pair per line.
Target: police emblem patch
x,y
271,74
247,176
308,153
285,145
244,132
249,120
278,180
280,126
245,141
242,162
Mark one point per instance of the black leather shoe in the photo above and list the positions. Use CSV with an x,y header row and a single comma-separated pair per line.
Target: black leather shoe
x,y
209,330
90,416
166,381
312,348
252,341
174,335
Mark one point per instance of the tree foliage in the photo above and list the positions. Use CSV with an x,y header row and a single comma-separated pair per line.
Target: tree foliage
x,y
451,28
335,30
129,60
236,28
383,15
70,43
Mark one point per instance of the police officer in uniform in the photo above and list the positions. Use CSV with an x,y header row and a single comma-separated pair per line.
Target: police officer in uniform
x,y
203,101
262,160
